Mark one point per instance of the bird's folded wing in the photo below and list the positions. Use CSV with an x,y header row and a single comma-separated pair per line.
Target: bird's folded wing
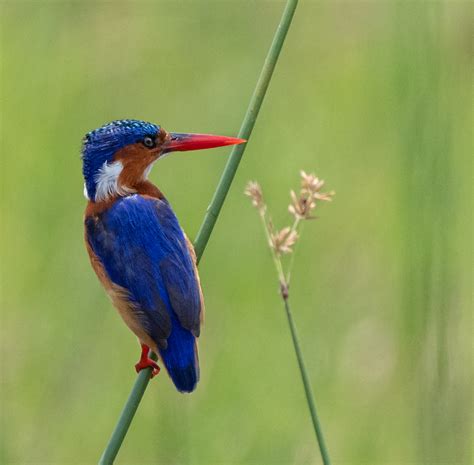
x,y
143,249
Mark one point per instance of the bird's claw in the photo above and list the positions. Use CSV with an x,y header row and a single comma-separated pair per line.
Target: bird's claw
x,y
146,362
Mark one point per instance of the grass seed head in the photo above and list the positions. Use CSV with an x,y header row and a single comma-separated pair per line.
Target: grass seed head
x,y
254,191
303,204
282,241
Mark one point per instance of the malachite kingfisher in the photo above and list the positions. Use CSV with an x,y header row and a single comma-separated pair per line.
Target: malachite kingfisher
x,y
136,246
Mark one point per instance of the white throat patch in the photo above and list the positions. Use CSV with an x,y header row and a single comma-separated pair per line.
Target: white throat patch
x,y
148,169
107,181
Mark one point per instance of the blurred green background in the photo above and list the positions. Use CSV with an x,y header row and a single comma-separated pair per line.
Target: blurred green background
x,y
372,96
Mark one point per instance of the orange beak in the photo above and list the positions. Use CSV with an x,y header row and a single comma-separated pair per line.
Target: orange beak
x,y
181,142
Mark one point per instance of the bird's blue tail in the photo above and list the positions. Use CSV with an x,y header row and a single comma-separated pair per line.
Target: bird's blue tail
x,y
181,358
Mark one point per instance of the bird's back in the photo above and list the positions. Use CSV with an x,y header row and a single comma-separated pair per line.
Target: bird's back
x,y
146,256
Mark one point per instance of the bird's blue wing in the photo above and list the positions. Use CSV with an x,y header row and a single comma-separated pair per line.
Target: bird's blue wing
x,y
143,249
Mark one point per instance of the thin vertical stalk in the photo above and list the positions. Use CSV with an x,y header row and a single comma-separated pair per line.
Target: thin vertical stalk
x,y
306,383
246,129
211,216
126,417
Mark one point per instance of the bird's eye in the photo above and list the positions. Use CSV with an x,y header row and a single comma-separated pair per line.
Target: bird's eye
x,y
148,142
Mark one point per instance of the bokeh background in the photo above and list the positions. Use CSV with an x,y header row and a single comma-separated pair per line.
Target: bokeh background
x,y
374,97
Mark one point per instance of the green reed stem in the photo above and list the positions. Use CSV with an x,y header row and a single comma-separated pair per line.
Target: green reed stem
x,y
246,129
306,383
210,218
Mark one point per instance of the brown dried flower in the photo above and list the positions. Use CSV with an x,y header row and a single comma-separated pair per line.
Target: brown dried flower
x,y
311,187
282,241
254,191
302,205
310,183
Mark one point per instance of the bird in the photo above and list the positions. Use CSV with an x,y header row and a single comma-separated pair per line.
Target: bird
x,y
136,246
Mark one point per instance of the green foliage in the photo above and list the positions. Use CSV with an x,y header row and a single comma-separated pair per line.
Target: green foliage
x,y
375,97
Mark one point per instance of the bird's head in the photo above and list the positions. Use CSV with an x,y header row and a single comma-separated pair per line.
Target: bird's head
x,y
119,155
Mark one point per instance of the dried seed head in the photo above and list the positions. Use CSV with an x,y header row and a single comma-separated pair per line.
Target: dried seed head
x,y
302,205
254,191
311,186
282,241
326,196
310,183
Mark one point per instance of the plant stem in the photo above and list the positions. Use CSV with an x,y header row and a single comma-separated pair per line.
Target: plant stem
x,y
246,128
210,218
276,258
292,258
306,383
126,417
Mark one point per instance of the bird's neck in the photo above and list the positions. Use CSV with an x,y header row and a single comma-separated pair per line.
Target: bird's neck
x,y
143,187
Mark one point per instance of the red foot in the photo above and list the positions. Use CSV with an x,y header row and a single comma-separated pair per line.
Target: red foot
x,y
147,362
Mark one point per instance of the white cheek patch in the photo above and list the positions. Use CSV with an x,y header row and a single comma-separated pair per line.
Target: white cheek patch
x,y
86,195
107,181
